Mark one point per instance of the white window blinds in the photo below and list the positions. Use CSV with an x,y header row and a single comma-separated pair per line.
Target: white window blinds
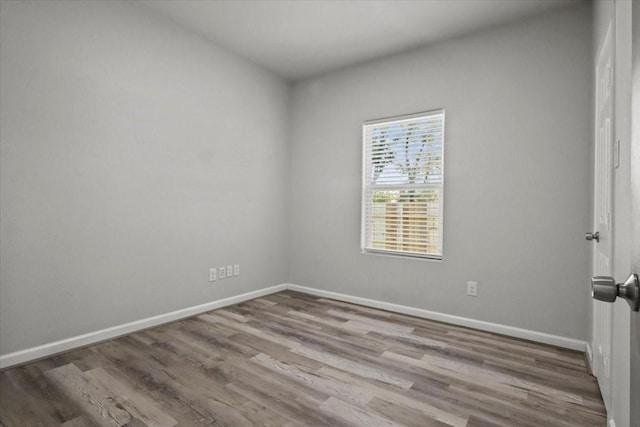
x,y
403,185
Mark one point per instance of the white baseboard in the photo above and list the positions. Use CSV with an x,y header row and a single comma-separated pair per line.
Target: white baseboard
x,y
50,349
611,423
45,350
590,357
541,337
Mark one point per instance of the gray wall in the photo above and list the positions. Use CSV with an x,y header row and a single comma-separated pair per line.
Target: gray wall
x,y
135,156
517,157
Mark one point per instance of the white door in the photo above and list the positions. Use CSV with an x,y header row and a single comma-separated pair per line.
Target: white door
x,y
635,213
602,312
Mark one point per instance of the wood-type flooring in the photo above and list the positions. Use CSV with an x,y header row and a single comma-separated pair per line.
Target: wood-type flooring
x,y
291,359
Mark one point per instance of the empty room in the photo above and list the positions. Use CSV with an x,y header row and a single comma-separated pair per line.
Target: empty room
x,y
320,213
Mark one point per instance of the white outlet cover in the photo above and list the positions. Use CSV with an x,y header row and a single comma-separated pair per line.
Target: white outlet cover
x,y
236,270
221,273
212,274
229,270
472,289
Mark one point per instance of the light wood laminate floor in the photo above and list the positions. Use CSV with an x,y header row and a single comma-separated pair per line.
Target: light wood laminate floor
x,y
294,359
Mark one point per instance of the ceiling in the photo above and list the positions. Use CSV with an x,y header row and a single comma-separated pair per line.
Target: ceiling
x,y
298,39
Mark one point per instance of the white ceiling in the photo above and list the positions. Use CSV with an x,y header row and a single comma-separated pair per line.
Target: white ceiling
x,y
298,39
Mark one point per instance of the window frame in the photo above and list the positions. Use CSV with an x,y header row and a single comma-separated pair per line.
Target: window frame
x,y
364,234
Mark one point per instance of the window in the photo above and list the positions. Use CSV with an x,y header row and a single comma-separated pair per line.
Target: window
x,y
402,194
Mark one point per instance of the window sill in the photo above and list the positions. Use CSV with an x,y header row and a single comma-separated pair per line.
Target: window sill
x,y
402,256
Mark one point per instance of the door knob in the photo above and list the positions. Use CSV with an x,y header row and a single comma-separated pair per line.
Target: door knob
x,y
604,288
593,236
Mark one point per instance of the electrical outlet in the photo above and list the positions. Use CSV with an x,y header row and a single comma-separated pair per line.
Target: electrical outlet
x,y
229,270
221,272
472,289
236,270
212,274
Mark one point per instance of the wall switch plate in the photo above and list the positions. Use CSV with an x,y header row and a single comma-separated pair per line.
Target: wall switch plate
x,y
229,270
221,272
212,274
236,269
472,289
